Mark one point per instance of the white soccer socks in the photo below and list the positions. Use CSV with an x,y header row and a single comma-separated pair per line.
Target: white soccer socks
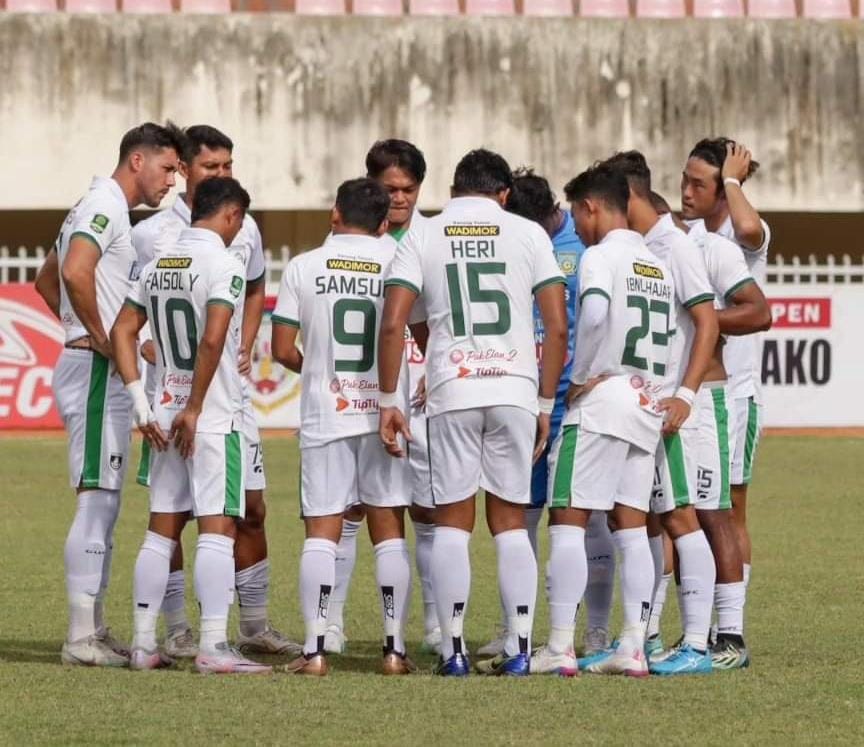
x,y
87,542
152,568
729,603
661,585
253,589
214,586
533,517
174,603
601,570
567,575
317,576
517,580
451,581
696,590
424,537
346,557
393,576
637,585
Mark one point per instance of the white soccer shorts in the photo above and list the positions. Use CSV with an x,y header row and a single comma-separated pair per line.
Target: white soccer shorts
x,y
488,448
713,454
209,483
420,483
675,471
255,479
594,471
746,417
97,413
339,474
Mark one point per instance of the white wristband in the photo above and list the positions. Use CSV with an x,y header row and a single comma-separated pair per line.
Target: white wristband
x,y
688,395
545,405
140,406
388,399
732,180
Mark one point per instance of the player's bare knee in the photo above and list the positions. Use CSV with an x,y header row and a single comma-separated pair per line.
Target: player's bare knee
x,y
421,514
256,512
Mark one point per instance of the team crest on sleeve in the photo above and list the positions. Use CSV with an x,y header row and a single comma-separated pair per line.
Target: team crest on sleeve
x,y
236,285
99,223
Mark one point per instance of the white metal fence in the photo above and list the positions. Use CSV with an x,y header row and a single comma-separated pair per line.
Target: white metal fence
x,y
20,266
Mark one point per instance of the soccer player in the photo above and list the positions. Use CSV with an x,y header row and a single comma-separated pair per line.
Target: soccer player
x,y
400,168
189,294
712,194
333,296
476,268
209,153
675,471
90,269
603,459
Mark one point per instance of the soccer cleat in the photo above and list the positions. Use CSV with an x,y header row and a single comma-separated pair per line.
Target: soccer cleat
x,y
653,647
730,653
496,645
684,660
456,666
117,646
596,640
396,663
141,660
664,654
92,652
228,660
314,665
334,640
431,642
586,661
629,663
268,641
508,666
181,644
544,661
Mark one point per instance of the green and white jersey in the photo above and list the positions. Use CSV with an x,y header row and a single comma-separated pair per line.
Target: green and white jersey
x,y
635,343
475,268
102,217
334,295
692,287
175,290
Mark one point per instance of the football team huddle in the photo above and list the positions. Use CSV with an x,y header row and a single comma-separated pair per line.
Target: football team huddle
x,y
599,364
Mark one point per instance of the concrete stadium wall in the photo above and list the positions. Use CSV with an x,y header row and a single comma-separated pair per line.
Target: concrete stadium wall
x,y
303,98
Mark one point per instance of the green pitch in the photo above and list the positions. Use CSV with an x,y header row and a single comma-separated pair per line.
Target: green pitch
x,y
804,618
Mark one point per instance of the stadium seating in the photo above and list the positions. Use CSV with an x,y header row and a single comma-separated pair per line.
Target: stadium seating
x,y
320,8
549,8
718,9
490,7
434,7
604,8
378,8
772,9
147,6
827,9
661,9
31,6
205,6
91,6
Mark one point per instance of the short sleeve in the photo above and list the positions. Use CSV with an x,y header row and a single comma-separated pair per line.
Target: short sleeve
x,y
546,269
255,268
137,295
406,269
98,223
287,310
227,284
690,274
595,274
731,271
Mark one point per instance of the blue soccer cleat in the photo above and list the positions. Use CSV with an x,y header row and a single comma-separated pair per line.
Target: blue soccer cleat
x,y
685,660
653,647
514,666
456,666
595,658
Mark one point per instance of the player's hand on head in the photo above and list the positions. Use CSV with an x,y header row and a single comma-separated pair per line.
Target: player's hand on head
x,y
676,412
391,425
737,163
541,438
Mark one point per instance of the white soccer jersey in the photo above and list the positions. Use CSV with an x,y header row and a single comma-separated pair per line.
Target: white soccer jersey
x,y
175,290
334,295
475,268
635,345
102,216
692,287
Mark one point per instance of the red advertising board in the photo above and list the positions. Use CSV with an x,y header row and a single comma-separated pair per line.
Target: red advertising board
x,y
31,340
801,313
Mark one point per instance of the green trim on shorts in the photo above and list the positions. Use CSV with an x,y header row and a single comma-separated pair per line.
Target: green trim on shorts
x,y
721,419
91,472
752,439
143,476
674,448
561,486
233,474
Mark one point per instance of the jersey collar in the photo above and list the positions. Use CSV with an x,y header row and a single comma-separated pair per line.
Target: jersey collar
x,y
663,225
111,186
351,239
202,236
473,202
624,235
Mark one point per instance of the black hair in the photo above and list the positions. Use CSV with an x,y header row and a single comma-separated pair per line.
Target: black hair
x,y
659,203
153,137
400,153
713,152
634,166
362,203
204,136
216,192
602,182
482,172
531,196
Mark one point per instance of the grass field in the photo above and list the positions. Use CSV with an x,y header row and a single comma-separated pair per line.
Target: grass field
x,y
804,621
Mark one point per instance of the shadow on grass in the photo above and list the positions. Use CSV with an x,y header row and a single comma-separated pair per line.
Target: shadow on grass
x,y
30,652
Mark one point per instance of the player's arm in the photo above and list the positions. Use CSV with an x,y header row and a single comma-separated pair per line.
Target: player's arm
x,y
79,277
398,301
283,344
553,310
745,219
747,311
48,282
253,311
593,314
420,333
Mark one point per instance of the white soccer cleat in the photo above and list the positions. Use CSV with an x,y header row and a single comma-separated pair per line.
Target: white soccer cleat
x,y
596,640
432,642
496,645
142,660
181,644
631,663
116,645
334,640
91,652
268,641
544,661
227,660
